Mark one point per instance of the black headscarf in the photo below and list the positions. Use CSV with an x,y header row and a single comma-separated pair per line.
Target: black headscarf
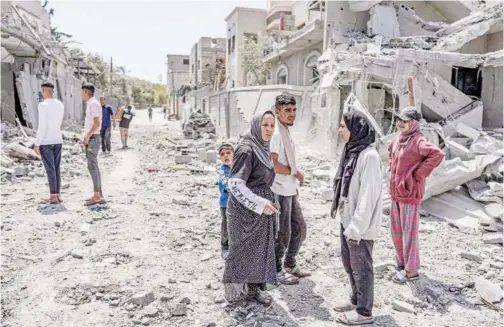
x,y
362,135
253,137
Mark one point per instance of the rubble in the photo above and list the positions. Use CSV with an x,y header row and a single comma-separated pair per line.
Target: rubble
x,y
488,291
197,124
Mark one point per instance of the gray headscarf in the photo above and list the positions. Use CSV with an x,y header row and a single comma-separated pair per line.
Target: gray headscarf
x,y
253,137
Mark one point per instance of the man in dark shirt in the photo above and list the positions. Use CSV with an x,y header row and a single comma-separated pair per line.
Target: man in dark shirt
x,y
150,113
126,116
107,121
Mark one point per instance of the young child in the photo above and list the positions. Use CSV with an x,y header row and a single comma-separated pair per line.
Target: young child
x,y
226,157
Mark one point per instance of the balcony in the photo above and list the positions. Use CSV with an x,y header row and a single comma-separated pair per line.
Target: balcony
x,y
279,8
312,33
317,5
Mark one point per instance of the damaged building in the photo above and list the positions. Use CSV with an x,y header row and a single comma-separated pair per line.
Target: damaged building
x,y
31,55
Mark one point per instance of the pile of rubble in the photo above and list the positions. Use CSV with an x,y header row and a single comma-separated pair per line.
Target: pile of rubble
x,y
199,124
19,162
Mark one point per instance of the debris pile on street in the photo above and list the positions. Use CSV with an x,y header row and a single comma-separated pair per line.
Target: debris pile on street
x,y
199,124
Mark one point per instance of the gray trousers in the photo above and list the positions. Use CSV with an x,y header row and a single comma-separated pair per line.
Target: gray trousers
x,y
358,263
105,138
291,231
224,230
92,150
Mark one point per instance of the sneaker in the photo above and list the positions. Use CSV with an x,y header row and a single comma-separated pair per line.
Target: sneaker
x,y
224,253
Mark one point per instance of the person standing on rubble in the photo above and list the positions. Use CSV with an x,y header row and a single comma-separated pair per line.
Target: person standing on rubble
x,y
412,159
91,140
250,215
150,113
49,140
290,222
125,117
358,199
107,121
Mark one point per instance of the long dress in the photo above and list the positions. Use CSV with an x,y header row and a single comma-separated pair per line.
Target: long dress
x,y
251,259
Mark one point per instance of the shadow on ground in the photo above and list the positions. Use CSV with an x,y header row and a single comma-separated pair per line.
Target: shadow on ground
x,y
51,209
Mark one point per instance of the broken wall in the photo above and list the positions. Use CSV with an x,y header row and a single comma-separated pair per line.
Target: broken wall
x,y
407,24
491,95
341,19
8,101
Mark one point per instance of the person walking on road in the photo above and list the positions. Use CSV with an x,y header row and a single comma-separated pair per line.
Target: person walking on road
x,y
358,199
150,113
412,159
164,112
49,140
107,121
250,215
91,140
290,222
125,117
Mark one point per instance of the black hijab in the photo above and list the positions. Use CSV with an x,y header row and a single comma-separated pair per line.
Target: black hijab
x,y
362,135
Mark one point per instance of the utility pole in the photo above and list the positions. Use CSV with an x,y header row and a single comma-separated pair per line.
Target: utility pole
x,y
173,87
110,79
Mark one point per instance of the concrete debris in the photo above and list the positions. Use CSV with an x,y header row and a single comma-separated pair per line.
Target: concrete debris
x,y
403,307
471,256
142,299
488,291
179,310
197,124
493,238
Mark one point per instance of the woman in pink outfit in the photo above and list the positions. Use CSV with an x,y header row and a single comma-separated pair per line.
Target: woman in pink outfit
x,y
412,159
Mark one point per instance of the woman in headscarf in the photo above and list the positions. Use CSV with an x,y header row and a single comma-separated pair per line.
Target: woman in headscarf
x,y
358,199
250,213
412,159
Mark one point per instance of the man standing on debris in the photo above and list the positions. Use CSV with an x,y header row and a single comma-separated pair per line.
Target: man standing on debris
x,y
358,199
91,140
107,121
412,159
290,222
125,117
150,113
49,140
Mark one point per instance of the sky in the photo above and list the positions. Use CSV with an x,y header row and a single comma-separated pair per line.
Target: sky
x,y
139,34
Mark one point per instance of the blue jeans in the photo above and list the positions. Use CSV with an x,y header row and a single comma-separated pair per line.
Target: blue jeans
x,y
105,138
51,157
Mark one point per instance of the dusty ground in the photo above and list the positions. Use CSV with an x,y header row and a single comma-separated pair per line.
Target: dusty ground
x,y
159,232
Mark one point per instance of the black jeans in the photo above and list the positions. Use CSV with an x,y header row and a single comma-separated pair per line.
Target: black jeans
x,y
224,231
358,263
51,157
291,233
105,138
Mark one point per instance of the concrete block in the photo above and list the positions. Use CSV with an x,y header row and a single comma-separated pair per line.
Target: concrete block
x,y
403,307
488,291
492,238
182,159
211,156
471,256
327,195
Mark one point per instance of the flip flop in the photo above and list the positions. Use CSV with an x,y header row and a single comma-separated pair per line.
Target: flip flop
x,y
286,278
297,272
344,306
400,278
352,318
48,201
91,202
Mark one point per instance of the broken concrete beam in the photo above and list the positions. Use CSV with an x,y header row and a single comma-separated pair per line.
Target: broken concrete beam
x,y
18,151
403,307
488,291
494,210
471,256
182,159
492,238
142,299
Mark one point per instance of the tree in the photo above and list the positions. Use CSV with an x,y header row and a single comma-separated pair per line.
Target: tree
x,y
252,60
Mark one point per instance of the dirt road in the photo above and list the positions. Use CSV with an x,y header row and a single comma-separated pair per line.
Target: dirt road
x,y
69,265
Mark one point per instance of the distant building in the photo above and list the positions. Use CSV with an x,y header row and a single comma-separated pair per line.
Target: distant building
x,y
242,24
206,61
177,72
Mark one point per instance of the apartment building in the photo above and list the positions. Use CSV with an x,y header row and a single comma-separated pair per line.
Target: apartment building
x,y
177,73
242,24
207,62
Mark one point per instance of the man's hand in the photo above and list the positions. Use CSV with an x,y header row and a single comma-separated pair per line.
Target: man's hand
x,y
269,209
300,177
37,150
85,140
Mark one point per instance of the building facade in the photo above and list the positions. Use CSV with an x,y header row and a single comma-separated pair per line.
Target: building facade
x,y
242,24
177,72
207,62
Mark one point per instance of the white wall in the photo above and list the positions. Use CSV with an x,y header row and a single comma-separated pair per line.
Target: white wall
x,y
300,12
492,96
341,19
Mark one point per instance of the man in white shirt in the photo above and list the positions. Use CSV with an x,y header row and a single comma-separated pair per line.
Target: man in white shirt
x,y
290,222
49,140
92,140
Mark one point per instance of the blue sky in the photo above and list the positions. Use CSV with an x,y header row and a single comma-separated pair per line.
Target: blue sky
x,y
139,34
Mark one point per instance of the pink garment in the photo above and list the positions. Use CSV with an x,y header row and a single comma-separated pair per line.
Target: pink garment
x,y
93,109
404,224
412,159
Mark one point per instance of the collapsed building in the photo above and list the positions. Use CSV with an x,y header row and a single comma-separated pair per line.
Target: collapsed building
x,y
31,55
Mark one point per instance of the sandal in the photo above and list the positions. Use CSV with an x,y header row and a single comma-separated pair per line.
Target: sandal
x,y
262,297
91,202
352,318
401,278
344,306
297,272
286,278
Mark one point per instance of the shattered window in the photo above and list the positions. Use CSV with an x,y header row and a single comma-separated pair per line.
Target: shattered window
x,y
185,61
467,80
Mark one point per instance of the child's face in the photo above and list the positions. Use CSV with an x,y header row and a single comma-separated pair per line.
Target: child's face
x,y
226,157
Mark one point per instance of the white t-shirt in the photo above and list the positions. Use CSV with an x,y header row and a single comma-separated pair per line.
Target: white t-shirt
x,y
50,117
284,185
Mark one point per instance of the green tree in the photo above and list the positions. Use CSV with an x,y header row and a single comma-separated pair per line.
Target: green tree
x,y
252,60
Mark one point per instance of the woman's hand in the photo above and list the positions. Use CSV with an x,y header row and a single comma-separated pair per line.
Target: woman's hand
x,y
269,209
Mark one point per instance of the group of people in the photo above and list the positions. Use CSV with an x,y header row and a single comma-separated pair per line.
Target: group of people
x,y
99,118
263,226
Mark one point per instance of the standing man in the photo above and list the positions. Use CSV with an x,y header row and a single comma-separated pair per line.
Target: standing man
x,y
125,117
150,113
290,222
107,120
91,140
49,139
164,112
